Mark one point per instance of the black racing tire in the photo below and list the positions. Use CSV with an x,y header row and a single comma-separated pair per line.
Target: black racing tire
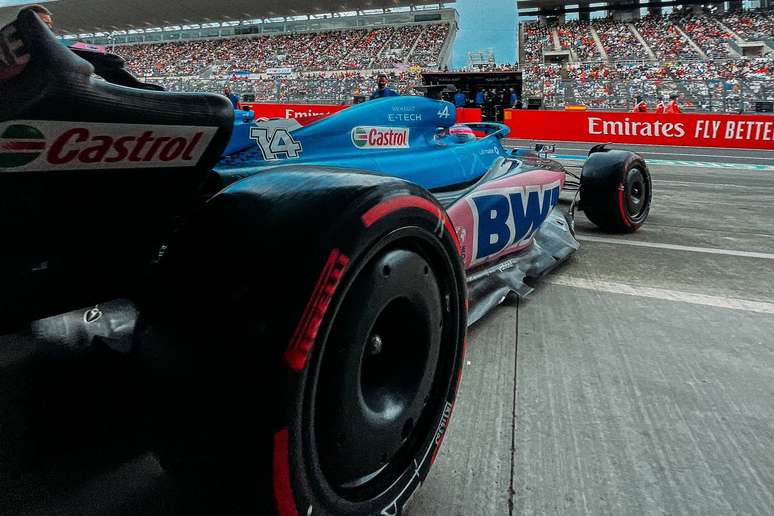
x,y
325,386
616,191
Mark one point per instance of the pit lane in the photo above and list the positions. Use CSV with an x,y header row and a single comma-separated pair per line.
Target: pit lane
x,y
636,378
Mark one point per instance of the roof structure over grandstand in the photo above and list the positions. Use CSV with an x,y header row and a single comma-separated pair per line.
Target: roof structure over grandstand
x,y
88,16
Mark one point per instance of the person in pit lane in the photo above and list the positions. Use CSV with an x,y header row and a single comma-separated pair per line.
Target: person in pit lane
x,y
233,97
460,100
640,106
673,107
381,88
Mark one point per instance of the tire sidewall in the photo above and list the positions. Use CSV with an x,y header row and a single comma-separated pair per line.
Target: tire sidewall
x,y
312,494
603,190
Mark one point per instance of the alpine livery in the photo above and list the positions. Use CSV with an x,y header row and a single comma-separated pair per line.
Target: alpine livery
x,y
278,313
503,204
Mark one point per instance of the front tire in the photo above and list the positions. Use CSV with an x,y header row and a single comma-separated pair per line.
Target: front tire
x,y
327,385
616,191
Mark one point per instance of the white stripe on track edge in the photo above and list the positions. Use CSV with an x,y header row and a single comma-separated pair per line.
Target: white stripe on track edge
x,y
675,247
681,163
729,303
651,153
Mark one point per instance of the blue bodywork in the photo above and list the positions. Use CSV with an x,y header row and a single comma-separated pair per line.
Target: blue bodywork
x,y
406,137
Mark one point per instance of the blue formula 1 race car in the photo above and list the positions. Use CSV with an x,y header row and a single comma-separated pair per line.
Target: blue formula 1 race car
x,y
502,204
277,313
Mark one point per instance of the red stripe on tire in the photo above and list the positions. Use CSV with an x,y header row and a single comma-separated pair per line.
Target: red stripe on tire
x,y
621,208
306,332
390,206
283,491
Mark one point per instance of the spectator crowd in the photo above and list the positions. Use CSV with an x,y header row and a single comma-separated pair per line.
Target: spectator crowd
x,y
358,49
688,54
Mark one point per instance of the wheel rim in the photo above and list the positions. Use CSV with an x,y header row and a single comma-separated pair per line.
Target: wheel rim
x,y
385,365
636,190
382,385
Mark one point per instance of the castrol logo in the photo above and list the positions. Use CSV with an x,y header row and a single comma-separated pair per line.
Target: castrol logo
x,y
36,145
365,137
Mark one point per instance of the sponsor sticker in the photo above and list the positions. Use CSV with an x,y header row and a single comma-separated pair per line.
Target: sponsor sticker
x,y
13,56
276,142
371,137
509,217
39,145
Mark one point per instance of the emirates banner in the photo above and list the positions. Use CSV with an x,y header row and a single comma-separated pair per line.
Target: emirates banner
x,y
303,113
689,130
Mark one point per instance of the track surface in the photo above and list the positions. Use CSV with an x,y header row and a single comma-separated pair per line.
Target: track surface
x,y
637,379
657,152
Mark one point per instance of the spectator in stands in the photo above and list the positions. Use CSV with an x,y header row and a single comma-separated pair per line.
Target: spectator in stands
x,y
381,88
673,107
43,13
660,107
640,106
233,97
514,98
460,99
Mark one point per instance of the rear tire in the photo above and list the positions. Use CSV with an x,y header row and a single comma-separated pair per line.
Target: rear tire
x,y
616,191
326,385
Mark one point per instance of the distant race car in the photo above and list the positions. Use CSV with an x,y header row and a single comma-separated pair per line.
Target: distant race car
x,y
279,313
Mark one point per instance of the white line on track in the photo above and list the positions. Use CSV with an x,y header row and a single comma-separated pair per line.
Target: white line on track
x,y
695,184
681,163
664,294
560,143
652,153
674,247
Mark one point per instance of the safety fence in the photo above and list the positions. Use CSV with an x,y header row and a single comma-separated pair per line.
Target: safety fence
x,y
704,96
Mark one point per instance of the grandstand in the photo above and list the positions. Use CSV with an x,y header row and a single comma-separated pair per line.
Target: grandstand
x,y
330,51
711,58
325,66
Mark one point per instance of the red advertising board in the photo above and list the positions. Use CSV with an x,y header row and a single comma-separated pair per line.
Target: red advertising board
x,y
468,115
307,113
690,130
304,113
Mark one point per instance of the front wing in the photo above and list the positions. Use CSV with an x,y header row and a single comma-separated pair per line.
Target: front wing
x,y
490,286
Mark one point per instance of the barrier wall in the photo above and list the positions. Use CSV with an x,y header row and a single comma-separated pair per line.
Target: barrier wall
x,y
468,115
304,113
307,113
690,130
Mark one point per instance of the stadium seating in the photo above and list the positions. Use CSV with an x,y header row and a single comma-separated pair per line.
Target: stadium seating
x,y
576,36
750,25
323,51
688,54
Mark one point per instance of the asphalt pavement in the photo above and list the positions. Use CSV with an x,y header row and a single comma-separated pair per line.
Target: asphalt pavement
x,y
638,378
657,152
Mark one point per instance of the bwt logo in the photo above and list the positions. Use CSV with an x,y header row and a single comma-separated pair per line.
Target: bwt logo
x,y
510,216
